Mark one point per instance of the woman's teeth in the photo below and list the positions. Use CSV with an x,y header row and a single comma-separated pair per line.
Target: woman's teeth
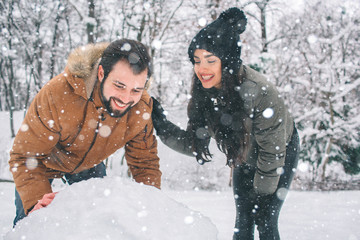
x,y
207,77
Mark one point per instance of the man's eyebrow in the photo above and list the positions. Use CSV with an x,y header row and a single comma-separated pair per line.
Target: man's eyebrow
x,y
123,84
118,82
139,88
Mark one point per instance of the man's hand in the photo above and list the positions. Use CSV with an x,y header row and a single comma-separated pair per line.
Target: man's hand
x,y
46,200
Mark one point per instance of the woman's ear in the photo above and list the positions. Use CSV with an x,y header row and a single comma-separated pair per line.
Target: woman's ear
x,y
100,73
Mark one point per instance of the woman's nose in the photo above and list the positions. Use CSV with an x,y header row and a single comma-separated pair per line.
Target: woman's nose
x,y
201,67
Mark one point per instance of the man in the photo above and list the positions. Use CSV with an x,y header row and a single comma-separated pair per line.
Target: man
x,y
79,118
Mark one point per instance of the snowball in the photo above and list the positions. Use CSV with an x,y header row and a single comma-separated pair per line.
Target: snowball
x,y
268,113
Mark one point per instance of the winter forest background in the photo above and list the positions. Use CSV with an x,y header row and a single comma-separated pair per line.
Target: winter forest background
x,y
309,49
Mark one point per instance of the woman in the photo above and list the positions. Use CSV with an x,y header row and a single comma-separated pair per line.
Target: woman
x,y
245,114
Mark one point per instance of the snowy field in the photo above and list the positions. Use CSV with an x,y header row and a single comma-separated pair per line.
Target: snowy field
x,y
109,207
305,215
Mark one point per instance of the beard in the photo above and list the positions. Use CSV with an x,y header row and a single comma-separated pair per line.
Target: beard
x,y
107,103
115,113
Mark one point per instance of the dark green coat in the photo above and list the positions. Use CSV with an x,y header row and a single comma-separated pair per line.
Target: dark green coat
x,y
271,128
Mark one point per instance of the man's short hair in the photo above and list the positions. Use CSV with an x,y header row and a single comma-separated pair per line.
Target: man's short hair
x,y
131,51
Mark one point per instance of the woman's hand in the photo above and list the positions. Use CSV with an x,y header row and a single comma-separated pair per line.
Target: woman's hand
x,y
158,116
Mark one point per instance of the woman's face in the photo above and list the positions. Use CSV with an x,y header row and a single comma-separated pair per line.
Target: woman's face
x,y
207,67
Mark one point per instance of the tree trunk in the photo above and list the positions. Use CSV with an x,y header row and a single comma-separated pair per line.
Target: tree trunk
x,y
90,26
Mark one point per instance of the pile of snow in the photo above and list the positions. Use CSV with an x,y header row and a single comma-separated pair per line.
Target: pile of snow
x,y
114,208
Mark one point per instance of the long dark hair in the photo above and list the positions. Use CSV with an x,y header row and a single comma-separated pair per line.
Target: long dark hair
x,y
219,112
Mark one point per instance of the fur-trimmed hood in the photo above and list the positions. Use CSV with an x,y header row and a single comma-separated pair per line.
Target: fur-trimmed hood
x,y
83,63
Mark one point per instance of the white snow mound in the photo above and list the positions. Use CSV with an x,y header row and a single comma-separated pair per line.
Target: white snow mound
x,y
113,208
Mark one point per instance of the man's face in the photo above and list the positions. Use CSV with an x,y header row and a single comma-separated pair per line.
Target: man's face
x,y
122,89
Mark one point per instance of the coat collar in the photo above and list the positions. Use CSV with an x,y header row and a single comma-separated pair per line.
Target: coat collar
x,y
82,65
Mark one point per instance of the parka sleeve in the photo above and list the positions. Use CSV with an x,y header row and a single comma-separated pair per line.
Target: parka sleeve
x,y
175,138
170,134
142,159
32,145
269,128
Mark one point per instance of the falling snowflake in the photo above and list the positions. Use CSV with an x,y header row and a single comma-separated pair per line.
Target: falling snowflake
x,y
24,127
105,131
202,22
126,47
157,44
146,116
188,220
31,163
281,193
268,113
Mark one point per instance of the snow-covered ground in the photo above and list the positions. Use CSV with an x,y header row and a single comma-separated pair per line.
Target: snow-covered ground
x,y
99,206
96,209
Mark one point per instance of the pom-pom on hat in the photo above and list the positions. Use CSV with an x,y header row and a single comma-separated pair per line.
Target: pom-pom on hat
x,y
222,38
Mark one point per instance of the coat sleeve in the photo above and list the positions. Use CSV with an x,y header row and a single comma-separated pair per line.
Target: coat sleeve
x,y
170,134
175,138
269,128
32,145
142,159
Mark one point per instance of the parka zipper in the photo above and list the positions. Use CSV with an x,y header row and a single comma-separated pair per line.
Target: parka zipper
x,y
91,145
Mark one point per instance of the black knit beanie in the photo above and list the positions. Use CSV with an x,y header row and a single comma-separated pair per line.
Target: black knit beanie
x,y
222,38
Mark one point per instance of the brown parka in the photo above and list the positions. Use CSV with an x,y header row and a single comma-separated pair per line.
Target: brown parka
x,y
67,130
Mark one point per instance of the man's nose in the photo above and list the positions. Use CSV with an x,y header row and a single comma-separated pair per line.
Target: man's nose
x,y
125,97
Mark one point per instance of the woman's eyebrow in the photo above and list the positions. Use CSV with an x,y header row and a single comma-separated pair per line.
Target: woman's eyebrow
x,y
206,56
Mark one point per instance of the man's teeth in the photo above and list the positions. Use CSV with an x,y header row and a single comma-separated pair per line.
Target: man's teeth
x,y
119,104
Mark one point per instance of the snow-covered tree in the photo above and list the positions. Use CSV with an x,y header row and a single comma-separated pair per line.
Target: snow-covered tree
x,y
320,71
